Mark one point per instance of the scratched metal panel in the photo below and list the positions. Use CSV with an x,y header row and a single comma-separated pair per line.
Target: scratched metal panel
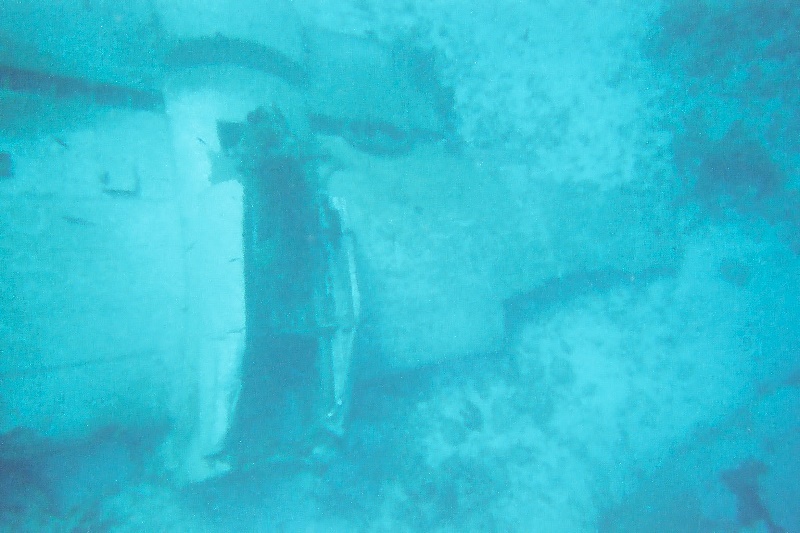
x,y
90,291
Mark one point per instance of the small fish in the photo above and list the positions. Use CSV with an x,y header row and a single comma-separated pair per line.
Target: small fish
x,y
61,142
78,221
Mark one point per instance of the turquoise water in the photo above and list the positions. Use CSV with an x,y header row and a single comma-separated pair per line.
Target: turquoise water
x,y
577,256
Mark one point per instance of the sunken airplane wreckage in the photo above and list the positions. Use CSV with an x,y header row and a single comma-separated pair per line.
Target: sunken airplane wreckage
x,y
303,301
241,215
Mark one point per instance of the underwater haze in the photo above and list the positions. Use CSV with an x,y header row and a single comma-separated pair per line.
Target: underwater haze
x,y
432,265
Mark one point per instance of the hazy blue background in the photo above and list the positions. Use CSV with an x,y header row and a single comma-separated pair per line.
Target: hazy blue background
x,y
664,397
